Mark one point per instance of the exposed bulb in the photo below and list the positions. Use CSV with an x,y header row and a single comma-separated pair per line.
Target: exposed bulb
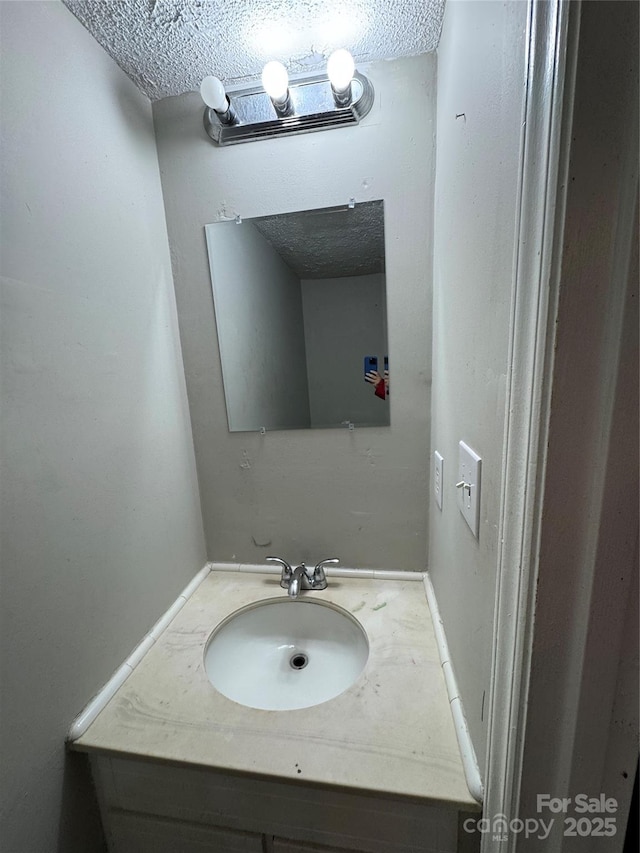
x,y
340,69
275,81
214,95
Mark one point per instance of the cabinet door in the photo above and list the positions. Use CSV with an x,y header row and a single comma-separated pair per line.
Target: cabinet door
x,y
136,833
285,845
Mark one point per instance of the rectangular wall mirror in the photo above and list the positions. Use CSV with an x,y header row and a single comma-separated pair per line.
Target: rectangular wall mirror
x,y
300,303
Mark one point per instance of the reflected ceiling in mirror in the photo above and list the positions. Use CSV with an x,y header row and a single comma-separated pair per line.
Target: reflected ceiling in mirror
x,y
300,303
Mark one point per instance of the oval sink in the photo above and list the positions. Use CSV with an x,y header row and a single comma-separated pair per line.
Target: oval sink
x,y
282,654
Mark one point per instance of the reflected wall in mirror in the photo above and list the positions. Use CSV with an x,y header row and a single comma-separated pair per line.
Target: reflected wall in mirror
x,y
300,302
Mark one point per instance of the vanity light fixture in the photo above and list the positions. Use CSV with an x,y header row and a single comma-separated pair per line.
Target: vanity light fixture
x,y
275,82
281,107
213,94
341,68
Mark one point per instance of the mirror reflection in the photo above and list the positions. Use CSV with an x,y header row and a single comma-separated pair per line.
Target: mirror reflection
x,y
300,303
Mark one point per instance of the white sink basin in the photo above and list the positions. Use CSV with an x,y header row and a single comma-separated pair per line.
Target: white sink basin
x,y
282,654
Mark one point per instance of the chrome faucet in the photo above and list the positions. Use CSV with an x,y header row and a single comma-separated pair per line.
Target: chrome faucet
x,y
302,577
297,580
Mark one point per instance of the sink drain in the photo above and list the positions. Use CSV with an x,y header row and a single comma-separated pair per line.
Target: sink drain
x,y
298,661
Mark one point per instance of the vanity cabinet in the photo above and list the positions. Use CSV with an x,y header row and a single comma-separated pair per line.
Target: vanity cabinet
x,y
131,833
134,833
282,845
180,767
158,807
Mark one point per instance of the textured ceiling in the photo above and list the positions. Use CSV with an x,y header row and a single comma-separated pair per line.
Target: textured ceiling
x,y
167,46
328,243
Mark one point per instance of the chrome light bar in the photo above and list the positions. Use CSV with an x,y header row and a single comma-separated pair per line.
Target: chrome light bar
x,y
313,106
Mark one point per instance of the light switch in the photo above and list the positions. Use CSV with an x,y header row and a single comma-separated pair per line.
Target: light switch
x,y
438,463
468,486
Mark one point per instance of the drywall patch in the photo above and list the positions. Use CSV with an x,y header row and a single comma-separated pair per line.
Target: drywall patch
x,y
167,46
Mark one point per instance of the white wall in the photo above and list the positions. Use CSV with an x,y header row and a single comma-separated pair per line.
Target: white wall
x,y
360,495
480,97
101,525
344,320
258,306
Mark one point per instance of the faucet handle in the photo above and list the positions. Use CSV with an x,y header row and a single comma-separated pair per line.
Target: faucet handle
x,y
286,569
329,560
319,576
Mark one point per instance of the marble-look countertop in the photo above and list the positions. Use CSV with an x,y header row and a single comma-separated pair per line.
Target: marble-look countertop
x,y
391,732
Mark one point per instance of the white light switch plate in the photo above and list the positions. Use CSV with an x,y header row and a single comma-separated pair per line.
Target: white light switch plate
x,y
469,464
438,463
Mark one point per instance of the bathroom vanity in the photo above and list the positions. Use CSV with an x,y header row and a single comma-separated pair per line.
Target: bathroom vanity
x,y
178,766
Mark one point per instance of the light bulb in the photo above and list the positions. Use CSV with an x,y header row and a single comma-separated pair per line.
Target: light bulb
x,y
214,95
275,81
340,68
